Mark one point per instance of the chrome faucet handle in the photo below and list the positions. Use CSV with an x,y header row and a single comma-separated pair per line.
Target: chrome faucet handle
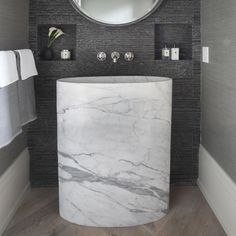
x,y
101,56
129,56
115,56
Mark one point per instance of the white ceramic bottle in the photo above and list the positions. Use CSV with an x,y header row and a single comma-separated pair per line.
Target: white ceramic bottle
x,y
165,53
175,53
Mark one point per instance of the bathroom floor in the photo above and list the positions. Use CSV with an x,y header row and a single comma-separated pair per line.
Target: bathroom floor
x,y
189,215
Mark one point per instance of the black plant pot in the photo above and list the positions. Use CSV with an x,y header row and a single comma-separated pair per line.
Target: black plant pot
x,y
47,54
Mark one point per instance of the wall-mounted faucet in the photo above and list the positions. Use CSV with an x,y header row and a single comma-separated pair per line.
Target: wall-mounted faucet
x,y
129,56
115,56
101,56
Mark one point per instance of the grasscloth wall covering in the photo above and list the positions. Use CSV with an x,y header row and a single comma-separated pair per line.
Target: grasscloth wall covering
x,y
139,38
219,83
14,21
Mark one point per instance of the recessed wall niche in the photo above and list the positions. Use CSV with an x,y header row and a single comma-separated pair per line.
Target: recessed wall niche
x,y
67,41
179,35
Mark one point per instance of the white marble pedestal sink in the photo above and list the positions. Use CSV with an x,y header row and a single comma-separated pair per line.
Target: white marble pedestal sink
x,y
114,138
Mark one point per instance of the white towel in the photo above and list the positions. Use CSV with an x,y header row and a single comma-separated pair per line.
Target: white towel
x,y
27,64
10,120
8,68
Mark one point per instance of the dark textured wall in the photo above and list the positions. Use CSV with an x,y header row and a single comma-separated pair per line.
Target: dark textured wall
x,y
219,83
13,35
139,38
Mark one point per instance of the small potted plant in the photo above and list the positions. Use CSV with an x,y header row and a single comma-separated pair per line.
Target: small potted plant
x,y
53,34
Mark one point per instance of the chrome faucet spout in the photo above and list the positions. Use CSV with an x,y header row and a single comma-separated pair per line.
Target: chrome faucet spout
x,y
115,56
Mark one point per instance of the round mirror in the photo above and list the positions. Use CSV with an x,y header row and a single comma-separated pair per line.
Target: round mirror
x,y
116,12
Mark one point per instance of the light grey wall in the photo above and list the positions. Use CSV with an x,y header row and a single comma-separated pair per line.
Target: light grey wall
x,y
219,82
9,153
14,15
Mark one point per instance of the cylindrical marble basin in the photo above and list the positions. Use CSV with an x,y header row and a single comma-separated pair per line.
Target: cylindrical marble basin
x,y
114,138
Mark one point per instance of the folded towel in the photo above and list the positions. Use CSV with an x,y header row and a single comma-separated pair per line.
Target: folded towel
x,y
8,68
17,108
27,101
27,64
10,120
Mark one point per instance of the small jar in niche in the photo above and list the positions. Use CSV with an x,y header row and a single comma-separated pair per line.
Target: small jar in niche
x,y
65,54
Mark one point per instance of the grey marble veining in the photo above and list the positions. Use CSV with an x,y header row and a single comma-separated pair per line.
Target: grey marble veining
x,y
114,149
